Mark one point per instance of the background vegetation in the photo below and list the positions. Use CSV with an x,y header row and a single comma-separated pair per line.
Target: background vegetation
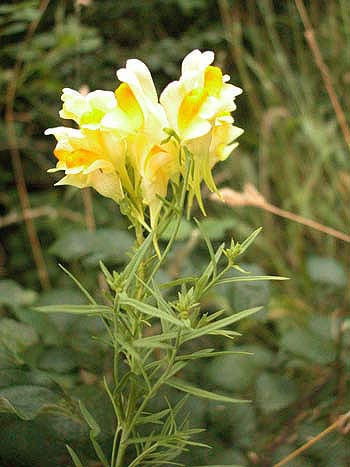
x,y
295,151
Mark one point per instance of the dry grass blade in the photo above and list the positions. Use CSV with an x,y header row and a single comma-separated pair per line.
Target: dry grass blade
x,y
16,157
341,423
324,70
34,213
230,18
251,197
89,210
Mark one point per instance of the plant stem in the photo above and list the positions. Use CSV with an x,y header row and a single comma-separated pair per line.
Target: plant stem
x,y
178,221
136,331
131,417
121,452
155,388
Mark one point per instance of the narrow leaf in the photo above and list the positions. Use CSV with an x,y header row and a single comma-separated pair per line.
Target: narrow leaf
x,y
81,287
154,341
153,418
228,280
166,438
74,309
105,271
174,283
94,432
99,451
209,269
220,324
90,420
248,241
208,353
74,456
178,366
193,390
149,310
131,268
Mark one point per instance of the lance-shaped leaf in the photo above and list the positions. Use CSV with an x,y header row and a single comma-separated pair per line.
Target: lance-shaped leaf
x,y
193,390
81,287
228,280
209,246
248,241
75,309
132,266
176,282
95,430
149,310
219,325
202,282
209,353
156,341
74,456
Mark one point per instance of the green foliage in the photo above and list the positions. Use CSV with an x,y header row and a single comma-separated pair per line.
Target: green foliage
x,y
274,392
13,295
107,245
326,271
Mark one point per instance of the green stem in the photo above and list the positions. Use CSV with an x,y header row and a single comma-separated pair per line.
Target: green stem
x,y
135,462
125,429
155,388
215,280
131,416
139,234
118,420
121,452
180,209
136,331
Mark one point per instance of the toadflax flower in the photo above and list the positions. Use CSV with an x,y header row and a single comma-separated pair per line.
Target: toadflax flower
x,y
121,147
198,108
154,163
116,149
88,156
85,157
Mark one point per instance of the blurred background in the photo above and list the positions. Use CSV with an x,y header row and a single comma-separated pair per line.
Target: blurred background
x,y
294,152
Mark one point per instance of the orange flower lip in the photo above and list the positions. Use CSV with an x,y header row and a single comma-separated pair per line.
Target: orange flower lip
x,y
190,106
192,103
77,158
128,103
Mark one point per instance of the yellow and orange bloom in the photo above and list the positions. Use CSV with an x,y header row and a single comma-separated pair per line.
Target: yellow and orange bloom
x,y
121,148
87,161
199,107
199,98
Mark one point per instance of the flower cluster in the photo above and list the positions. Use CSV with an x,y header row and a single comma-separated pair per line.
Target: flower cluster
x,y
129,145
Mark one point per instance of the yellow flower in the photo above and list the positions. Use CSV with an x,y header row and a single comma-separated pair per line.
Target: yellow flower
x,y
138,109
201,97
114,149
87,110
87,160
152,163
160,166
198,107
122,147
223,142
